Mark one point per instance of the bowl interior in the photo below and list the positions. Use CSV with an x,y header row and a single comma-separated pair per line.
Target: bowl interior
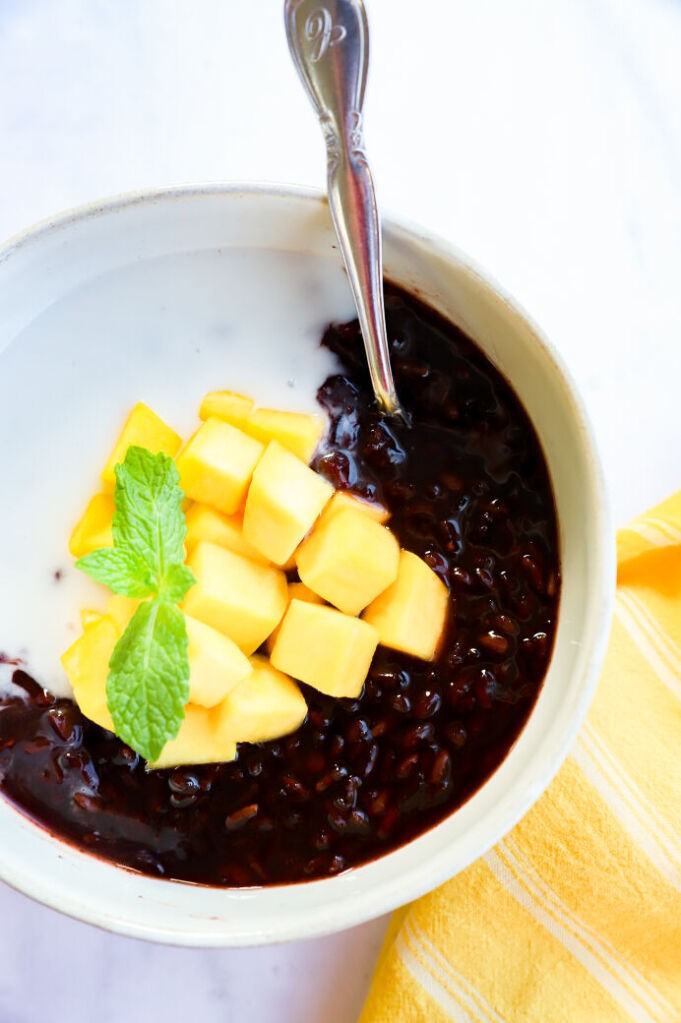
x,y
129,254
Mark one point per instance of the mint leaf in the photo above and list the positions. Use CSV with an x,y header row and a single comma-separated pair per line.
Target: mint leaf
x,y
121,569
148,683
177,580
148,515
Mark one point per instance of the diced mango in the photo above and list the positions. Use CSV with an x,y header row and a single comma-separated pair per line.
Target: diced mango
x,y
94,529
349,560
298,432
267,705
325,648
217,464
227,405
296,591
342,499
216,665
121,609
410,615
299,591
89,617
284,501
143,429
86,663
206,523
236,596
197,742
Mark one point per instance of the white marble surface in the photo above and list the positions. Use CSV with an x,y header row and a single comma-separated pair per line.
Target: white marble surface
x,y
543,138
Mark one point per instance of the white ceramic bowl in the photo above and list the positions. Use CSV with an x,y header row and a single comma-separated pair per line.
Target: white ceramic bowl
x,y
49,261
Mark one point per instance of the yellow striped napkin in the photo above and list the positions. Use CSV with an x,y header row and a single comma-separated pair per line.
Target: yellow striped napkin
x,y
576,915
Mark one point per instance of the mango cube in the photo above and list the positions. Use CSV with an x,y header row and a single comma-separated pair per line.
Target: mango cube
x,y
197,742
217,464
267,705
342,499
296,591
86,663
238,597
227,405
298,432
284,501
325,648
216,665
121,609
348,560
94,529
206,523
410,615
143,429
88,616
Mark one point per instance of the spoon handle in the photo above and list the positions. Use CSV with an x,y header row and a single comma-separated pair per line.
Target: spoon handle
x,y
329,43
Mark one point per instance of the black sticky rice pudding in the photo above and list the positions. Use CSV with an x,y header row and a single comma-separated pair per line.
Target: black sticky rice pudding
x,y
468,490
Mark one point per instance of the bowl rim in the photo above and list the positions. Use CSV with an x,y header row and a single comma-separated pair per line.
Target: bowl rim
x,y
380,899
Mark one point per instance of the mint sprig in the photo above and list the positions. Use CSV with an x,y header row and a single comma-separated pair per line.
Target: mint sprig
x,y
148,682
148,517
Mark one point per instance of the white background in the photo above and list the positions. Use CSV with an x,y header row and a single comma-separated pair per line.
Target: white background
x,y
541,136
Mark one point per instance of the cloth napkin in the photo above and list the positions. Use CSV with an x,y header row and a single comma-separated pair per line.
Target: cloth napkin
x,y
576,915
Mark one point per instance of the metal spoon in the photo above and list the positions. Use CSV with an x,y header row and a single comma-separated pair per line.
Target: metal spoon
x,y
329,43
